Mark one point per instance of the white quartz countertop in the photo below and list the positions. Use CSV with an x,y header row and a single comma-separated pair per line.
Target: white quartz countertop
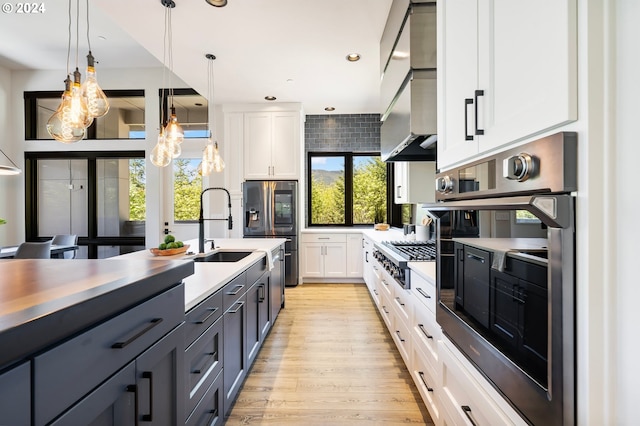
x,y
426,270
393,234
208,277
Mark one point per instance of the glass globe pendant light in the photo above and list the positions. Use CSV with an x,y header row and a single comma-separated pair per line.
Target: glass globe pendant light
x,y
161,154
174,129
79,112
211,159
61,125
97,102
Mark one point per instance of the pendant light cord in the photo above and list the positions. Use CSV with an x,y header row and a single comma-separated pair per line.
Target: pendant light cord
x,y
88,38
69,40
170,56
164,68
77,29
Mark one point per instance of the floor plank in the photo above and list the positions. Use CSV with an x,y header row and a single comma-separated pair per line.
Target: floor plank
x,y
329,360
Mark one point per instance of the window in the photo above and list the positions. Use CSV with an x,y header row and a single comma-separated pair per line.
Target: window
x,y
125,119
99,196
187,186
346,189
524,216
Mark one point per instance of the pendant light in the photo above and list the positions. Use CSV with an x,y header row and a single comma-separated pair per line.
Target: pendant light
x,y
211,159
173,131
171,135
80,103
97,102
9,170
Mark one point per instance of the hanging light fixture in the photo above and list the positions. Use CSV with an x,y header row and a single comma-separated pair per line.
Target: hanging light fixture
x,y
217,3
80,103
211,159
97,102
171,135
9,170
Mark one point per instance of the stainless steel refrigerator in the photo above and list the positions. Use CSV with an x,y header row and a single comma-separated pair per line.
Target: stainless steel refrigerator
x,y
271,211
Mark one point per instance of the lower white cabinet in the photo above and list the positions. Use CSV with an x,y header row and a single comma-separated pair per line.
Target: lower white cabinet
x,y
355,247
323,255
466,397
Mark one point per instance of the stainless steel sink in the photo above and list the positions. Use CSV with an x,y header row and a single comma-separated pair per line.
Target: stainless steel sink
x,y
223,256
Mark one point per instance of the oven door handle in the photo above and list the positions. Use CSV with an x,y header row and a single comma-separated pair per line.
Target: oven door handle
x,y
553,210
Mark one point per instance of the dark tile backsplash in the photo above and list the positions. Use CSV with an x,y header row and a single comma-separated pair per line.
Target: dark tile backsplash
x,y
342,132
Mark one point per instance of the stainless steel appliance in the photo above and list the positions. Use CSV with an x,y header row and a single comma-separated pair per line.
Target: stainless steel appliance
x,y
506,272
408,89
270,211
394,255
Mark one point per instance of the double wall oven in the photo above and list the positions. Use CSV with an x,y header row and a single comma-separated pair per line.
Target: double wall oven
x,y
506,272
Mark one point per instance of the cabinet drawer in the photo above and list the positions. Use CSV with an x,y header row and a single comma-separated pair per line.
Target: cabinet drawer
x,y
466,402
426,333
233,290
323,238
402,303
202,316
203,362
424,291
80,364
255,271
426,378
15,395
402,337
209,410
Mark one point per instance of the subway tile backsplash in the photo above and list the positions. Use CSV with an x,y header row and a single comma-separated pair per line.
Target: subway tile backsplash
x,y
342,132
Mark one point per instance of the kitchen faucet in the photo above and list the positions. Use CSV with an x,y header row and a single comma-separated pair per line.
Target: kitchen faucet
x,y
201,219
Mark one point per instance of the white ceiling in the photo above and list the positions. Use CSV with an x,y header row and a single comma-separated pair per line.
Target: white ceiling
x,y
259,46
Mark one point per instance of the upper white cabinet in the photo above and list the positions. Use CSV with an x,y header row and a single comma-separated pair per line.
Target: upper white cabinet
x,y
506,71
413,182
272,145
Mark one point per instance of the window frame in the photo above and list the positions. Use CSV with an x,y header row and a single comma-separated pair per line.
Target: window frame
x,y
348,184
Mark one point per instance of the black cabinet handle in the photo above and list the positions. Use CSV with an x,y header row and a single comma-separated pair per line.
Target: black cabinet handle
x,y
467,412
203,320
424,331
366,256
239,304
399,301
424,381
237,289
475,257
476,95
206,358
120,345
261,293
384,308
421,291
399,336
467,102
134,389
149,417
375,291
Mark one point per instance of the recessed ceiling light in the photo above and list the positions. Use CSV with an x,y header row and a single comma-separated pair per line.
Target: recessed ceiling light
x,y
270,98
329,109
217,3
353,57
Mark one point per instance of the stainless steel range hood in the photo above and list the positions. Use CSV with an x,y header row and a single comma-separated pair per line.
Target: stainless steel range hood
x,y
408,92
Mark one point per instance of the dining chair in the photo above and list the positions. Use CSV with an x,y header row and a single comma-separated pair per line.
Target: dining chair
x,y
66,240
34,250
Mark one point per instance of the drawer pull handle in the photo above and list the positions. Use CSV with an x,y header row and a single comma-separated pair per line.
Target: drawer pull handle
x,y
149,417
467,412
261,293
239,304
384,308
153,323
424,331
237,289
324,238
422,292
424,381
206,318
134,389
475,257
399,301
399,337
207,355
375,291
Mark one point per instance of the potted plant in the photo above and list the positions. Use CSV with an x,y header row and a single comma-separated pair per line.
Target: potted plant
x,y
378,219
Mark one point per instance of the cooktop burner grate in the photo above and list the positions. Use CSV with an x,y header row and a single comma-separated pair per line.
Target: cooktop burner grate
x,y
413,250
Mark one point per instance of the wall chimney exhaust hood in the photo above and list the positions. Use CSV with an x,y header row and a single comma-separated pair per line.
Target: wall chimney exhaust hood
x,y
408,92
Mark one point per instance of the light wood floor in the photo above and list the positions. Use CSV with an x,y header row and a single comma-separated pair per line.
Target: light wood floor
x,y
328,360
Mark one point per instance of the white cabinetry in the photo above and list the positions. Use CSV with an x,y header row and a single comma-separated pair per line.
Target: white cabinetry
x,y
323,255
272,145
355,246
413,182
502,77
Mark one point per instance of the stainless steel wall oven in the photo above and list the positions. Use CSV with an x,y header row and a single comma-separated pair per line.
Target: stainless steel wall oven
x,y
506,272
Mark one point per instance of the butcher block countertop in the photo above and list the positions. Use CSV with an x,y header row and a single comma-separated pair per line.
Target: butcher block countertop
x,y
45,300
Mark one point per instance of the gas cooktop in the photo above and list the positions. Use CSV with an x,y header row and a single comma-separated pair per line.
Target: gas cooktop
x,y
413,250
